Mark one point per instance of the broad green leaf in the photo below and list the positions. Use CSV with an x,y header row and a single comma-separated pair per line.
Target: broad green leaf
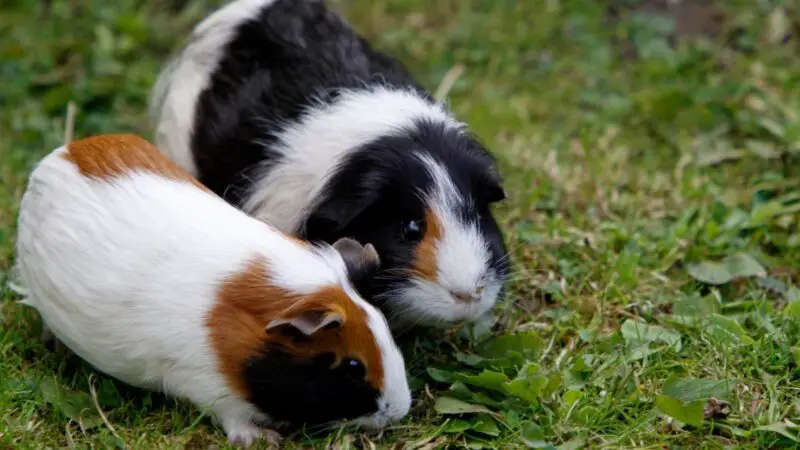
x,y
570,397
528,384
740,265
636,332
691,413
528,389
469,359
483,399
762,213
725,328
457,426
783,429
533,436
75,405
460,390
709,272
484,424
743,265
641,352
528,344
585,415
580,368
553,384
693,389
450,405
479,329
439,375
573,444
697,306
486,379
793,294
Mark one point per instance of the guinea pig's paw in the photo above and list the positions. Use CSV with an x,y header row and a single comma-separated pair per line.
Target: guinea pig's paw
x,y
243,434
272,437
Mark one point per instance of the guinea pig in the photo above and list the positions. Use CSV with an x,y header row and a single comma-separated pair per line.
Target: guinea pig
x,y
281,108
155,280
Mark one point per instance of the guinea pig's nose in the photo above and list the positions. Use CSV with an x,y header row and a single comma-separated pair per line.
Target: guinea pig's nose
x,y
465,297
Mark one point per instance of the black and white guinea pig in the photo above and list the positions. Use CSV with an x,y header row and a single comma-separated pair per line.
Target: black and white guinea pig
x,y
283,109
155,280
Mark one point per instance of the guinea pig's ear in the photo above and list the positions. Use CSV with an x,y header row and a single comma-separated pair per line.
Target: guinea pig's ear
x,y
493,188
309,322
357,257
489,186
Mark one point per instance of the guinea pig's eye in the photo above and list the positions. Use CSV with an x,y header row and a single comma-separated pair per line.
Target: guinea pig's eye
x,y
354,367
412,230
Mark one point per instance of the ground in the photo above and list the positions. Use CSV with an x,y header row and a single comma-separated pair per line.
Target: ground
x,y
650,152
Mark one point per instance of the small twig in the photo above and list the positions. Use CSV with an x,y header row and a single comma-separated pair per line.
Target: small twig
x,y
113,430
448,82
69,123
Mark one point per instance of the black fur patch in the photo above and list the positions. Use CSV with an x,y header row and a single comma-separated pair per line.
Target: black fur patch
x,y
291,54
311,393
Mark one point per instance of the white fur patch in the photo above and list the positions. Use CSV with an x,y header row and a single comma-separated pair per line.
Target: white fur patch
x,y
178,87
462,261
126,279
313,147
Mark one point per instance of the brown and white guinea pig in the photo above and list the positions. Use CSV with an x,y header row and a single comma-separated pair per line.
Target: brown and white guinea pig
x,y
155,280
283,109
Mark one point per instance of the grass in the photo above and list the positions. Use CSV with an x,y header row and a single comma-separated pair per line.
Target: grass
x,y
651,160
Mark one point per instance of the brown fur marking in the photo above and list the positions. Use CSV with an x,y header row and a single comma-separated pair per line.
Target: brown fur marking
x,y
247,302
424,264
113,155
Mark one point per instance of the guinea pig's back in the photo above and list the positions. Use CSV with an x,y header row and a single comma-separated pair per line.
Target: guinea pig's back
x,y
130,261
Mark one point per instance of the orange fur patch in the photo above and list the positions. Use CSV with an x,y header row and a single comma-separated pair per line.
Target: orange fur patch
x,y
113,155
247,302
424,264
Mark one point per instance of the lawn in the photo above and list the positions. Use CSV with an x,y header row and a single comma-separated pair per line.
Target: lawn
x,y
652,160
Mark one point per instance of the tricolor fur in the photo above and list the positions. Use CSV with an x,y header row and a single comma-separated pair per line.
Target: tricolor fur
x,y
155,280
281,108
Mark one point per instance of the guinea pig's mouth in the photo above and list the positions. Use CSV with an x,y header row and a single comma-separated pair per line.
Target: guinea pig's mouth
x,y
425,302
374,422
